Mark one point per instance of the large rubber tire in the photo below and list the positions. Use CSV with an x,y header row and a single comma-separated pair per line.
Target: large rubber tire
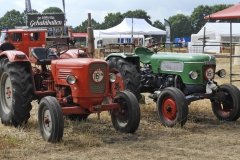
x,y
78,117
127,118
50,119
16,92
226,106
129,73
172,107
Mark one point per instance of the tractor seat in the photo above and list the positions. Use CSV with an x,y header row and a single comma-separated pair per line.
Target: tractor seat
x,y
43,55
144,54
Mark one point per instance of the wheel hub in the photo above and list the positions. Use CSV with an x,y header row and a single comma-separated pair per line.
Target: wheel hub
x,y
122,115
169,109
224,109
6,92
47,122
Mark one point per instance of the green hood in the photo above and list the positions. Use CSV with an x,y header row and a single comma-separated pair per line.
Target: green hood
x,y
147,56
180,64
183,57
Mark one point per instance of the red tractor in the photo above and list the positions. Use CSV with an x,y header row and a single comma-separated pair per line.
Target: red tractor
x,y
24,39
64,83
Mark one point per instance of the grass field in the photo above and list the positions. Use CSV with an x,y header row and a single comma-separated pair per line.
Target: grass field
x,y
203,137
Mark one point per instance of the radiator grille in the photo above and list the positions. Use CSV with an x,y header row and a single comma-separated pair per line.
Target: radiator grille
x,y
63,74
97,87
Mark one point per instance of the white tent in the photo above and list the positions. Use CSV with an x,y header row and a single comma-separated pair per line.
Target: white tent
x,y
215,34
104,39
134,26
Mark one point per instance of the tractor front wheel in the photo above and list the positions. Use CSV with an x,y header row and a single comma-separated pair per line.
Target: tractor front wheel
x,y
172,107
226,105
129,74
127,118
50,119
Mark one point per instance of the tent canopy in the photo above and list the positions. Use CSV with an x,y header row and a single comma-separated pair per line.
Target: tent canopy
x,y
99,35
232,12
134,26
215,34
220,28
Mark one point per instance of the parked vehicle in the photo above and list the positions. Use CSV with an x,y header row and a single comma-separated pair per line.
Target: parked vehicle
x,y
174,81
64,82
24,39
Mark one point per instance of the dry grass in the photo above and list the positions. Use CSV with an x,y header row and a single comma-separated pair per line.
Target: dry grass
x,y
203,137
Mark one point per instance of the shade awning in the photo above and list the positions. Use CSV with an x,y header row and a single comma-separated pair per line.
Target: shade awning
x,y
232,12
134,26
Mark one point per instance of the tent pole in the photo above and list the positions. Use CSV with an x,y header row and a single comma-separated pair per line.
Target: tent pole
x,y
204,38
231,52
132,31
138,39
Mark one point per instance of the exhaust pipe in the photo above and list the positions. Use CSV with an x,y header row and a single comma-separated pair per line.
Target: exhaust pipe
x,y
90,37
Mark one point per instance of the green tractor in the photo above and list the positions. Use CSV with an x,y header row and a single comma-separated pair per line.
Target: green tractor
x,y
174,81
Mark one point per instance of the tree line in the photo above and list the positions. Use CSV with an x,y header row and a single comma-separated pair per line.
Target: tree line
x,y
181,25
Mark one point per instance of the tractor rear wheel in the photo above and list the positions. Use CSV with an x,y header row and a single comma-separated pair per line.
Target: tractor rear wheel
x,y
16,93
172,107
127,118
129,74
227,104
50,119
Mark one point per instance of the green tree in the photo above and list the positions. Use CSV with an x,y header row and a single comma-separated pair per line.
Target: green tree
x,y
11,19
138,14
34,11
198,14
84,25
159,25
219,7
180,26
197,17
112,19
52,10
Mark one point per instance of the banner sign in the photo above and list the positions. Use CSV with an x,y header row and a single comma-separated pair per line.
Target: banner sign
x,y
168,33
45,20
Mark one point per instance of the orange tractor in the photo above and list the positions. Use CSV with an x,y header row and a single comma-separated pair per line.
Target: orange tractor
x,y
24,39
66,82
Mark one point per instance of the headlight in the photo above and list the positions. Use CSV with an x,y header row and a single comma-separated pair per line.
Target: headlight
x,y
71,79
112,77
193,75
209,73
221,73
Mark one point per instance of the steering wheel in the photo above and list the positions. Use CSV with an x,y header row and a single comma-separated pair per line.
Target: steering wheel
x,y
84,53
155,47
57,49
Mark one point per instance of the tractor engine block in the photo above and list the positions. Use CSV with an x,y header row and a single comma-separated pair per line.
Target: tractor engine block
x,y
43,80
151,82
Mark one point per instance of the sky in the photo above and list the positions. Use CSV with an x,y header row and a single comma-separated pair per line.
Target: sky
x,y
77,10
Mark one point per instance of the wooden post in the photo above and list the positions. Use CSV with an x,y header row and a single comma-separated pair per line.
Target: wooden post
x,y
90,37
231,53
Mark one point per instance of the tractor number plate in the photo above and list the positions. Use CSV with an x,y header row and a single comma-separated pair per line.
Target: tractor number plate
x,y
98,75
